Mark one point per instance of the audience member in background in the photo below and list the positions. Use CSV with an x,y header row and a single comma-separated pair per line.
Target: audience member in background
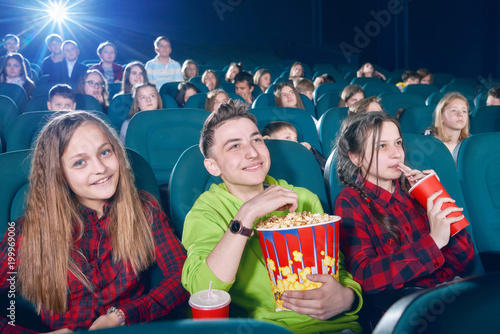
x,y
297,70
368,71
243,86
61,97
54,43
88,235
286,131
285,95
12,44
262,78
493,97
426,77
350,95
409,78
145,97
69,70
189,69
94,84
111,71
218,236
306,87
323,78
370,104
14,71
392,246
134,74
451,122
210,79
186,90
215,98
162,68
232,71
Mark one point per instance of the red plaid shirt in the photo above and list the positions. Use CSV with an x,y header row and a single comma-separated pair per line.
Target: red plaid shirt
x,y
374,258
114,284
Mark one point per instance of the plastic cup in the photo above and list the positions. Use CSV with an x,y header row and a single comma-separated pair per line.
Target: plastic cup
x,y
210,306
292,253
428,186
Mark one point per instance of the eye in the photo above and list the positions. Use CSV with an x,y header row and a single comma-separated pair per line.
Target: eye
x,y
257,140
399,143
106,152
79,163
233,147
382,145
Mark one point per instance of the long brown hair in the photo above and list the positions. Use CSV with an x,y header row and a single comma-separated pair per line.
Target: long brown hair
x,y
52,221
277,94
135,100
354,134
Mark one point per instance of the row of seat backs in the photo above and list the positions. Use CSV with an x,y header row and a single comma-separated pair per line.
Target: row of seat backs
x,y
188,326
427,152
413,120
464,306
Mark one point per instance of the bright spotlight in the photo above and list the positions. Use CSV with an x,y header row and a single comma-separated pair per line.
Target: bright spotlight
x,y
57,12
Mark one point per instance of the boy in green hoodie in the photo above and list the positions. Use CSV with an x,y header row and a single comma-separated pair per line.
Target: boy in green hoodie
x,y
222,247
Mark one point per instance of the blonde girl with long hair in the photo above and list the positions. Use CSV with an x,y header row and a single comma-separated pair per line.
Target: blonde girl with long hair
x,y
88,234
451,122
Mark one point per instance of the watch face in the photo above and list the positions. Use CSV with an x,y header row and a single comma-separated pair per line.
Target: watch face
x,y
235,226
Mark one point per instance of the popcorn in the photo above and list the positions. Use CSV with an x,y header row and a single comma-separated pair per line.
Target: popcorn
x,y
295,219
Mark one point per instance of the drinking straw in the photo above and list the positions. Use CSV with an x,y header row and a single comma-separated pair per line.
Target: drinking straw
x,y
210,289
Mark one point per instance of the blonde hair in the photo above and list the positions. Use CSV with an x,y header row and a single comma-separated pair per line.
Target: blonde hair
x,y
53,223
438,117
135,103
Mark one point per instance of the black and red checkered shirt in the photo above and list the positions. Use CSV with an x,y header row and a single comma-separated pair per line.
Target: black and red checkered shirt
x,y
373,257
114,284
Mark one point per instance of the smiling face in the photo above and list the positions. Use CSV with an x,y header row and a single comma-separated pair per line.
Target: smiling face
x,y
147,98
383,168
13,68
210,81
108,54
239,156
136,75
455,115
90,166
288,98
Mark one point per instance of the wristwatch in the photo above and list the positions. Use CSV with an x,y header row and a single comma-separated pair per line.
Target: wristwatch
x,y
236,227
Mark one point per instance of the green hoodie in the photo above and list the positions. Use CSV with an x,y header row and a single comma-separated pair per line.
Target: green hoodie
x,y
251,294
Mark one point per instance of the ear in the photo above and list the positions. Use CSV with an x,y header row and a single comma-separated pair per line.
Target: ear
x,y
49,105
266,137
251,88
355,159
73,107
212,167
